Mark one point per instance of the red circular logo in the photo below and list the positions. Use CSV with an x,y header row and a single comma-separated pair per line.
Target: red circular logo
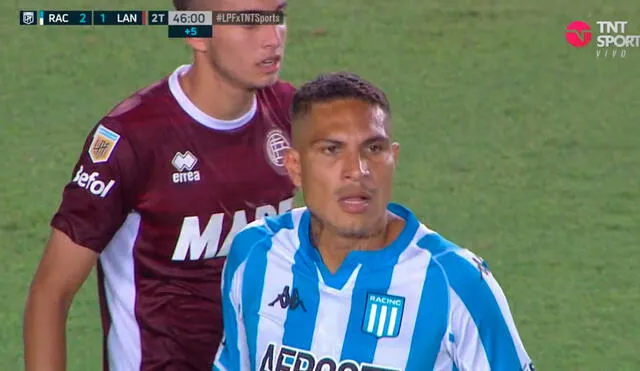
x,y
578,34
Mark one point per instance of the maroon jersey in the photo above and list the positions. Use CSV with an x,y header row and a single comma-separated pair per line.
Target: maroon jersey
x,y
159,191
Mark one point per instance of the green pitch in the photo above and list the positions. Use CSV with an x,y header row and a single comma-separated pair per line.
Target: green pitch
x,y
513,144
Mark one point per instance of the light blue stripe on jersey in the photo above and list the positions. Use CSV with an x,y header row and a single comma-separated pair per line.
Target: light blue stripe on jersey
x,y
357,344
252,288
300,325
481,304
242,244
432,318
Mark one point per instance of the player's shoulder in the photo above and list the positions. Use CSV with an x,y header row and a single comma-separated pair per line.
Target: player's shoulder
x,y
278,96
258,236
142,109
280,89
462,267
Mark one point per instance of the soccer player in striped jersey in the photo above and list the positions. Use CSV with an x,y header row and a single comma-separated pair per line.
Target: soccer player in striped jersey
x,y
353,281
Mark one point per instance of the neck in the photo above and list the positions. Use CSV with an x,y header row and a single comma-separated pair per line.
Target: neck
x,y
334,247
214,94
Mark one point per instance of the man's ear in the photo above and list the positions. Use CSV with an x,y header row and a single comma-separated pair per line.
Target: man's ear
x,y
292,164
395,151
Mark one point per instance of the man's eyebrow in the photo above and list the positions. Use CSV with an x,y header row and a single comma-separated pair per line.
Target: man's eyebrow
x,y
373,139
326,141
377,138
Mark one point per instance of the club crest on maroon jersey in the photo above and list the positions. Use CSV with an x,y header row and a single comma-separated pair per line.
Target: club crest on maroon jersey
x,y
275,146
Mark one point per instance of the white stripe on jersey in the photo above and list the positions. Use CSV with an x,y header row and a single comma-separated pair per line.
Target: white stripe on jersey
x,y
271,323
242,333
333,314
123,339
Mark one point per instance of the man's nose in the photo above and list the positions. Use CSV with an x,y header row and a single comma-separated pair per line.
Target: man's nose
x,y
356,166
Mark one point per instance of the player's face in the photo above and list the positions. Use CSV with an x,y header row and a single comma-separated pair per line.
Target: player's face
x,y
248,55
344,162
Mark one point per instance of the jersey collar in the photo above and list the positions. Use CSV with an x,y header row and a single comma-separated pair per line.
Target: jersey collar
x,y
366,260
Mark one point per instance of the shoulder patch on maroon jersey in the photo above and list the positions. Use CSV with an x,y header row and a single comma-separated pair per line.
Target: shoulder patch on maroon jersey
x,y
102,145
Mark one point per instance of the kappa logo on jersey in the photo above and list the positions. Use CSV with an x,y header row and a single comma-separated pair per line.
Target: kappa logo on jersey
x,y
292,359
192,243
276,145
103,143
184,163
288,300
383,315
92,183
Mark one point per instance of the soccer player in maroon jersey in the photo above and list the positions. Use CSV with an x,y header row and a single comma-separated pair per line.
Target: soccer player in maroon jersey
x,y
163,183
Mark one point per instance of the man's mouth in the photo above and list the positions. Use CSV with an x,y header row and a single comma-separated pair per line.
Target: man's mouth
x,y
356,203
274,60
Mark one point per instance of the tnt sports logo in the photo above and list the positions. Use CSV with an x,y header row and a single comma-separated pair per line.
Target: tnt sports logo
x,y
276,146
612,40
383,315
578,34
91,183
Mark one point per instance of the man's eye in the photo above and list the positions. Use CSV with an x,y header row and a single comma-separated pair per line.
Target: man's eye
x,y
375,148
330,150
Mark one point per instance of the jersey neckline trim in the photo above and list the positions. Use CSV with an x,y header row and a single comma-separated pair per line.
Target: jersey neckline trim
x,y
370,259
195,113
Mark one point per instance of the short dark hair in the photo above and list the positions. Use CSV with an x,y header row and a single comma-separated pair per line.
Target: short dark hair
x,y
337,85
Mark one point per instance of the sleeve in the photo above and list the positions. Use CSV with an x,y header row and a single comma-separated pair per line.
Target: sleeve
x,y
233,352
102,189
483,332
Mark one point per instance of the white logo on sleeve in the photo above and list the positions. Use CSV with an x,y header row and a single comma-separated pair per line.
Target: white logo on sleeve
x,y
91,183
184,163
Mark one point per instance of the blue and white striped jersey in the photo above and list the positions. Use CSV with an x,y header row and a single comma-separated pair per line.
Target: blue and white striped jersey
x,y
421,303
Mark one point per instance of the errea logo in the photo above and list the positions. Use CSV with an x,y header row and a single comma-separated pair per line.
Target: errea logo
x,y
184,163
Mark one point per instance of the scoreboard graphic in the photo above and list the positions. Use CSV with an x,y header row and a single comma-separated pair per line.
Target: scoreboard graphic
x,y
180,24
